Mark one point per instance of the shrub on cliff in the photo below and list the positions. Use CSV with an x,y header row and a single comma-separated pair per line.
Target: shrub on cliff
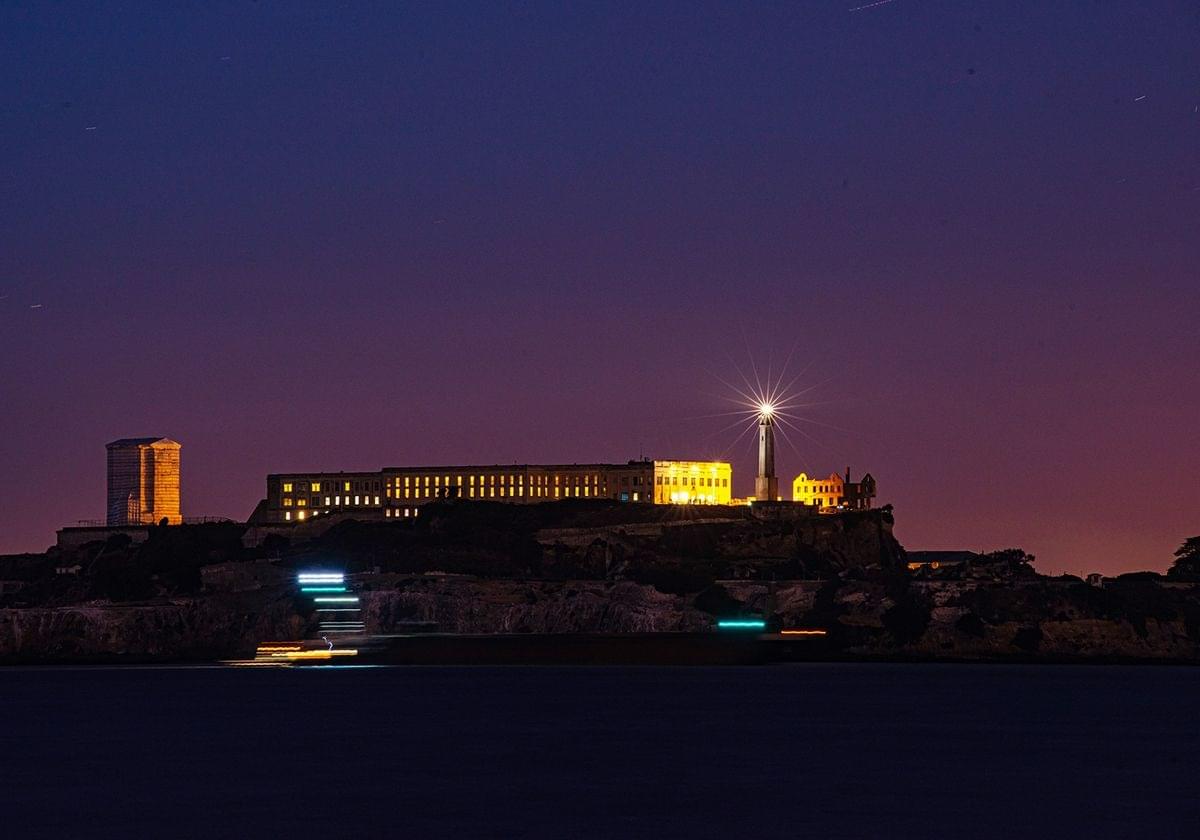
x,y
672,580
907,619
716,601
971,625
1028,638
1007,563
1187,561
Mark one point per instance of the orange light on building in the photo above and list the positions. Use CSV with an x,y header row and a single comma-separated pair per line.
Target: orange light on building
x,y
802,632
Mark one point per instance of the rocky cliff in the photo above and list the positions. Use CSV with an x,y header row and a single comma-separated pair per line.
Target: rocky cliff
x,y
476,568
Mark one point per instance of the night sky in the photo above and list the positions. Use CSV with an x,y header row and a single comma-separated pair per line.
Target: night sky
x,y
300,237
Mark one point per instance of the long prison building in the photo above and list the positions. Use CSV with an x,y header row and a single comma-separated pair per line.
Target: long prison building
x,y
398,492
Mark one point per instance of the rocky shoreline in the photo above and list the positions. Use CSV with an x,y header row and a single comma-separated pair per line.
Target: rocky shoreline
x,y
199,593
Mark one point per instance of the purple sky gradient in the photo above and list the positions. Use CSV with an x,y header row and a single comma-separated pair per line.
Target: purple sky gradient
x,y
316,238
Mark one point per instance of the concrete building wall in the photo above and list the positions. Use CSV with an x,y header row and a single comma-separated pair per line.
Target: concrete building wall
x,y
399,492
143,481
819,492
834,491
162,482
692,482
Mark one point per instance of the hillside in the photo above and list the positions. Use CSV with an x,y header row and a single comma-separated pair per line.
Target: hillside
x,y
201,592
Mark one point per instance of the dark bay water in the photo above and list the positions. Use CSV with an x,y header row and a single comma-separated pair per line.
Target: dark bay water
x,y
798,751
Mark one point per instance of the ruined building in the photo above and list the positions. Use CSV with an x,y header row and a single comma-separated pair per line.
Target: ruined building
x,y
834,492
143,481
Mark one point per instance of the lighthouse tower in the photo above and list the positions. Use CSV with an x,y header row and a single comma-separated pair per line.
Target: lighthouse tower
x,y
766,485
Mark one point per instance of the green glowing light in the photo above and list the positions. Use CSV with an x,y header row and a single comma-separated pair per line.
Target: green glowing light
x,y
322,589
742,625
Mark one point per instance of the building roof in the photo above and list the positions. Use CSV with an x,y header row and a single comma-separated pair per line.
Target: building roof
x,y
467,468
123,443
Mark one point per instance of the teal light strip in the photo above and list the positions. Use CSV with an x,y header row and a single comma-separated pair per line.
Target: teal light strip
x,y
742,625
322,589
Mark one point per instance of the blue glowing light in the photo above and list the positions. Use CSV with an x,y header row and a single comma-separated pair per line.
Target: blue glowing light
x,y
322,589
320,577
730,624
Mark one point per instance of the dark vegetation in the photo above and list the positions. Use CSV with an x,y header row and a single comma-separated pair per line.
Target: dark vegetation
x,y
1187,561
702,555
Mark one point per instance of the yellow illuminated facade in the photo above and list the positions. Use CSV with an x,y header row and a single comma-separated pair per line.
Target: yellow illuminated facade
x,y
399,492
143,481
692,482
821,492
834,492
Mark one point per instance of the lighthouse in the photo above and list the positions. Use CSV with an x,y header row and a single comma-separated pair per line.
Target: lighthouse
x,y
766,485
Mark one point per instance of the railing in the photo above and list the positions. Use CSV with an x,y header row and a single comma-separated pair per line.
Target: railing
x,y
187,520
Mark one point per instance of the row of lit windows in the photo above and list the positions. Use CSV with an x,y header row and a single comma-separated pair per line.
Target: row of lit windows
x,y
683,497
412,483
337,501
682,481
490,479
503,491
832,501
824,488
327,486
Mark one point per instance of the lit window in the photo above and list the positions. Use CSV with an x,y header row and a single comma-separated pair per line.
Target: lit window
x,y
301,502
287,502
287,487
337,500
287,516
326,501
347,487
356,498
300,516
315,486
376,500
